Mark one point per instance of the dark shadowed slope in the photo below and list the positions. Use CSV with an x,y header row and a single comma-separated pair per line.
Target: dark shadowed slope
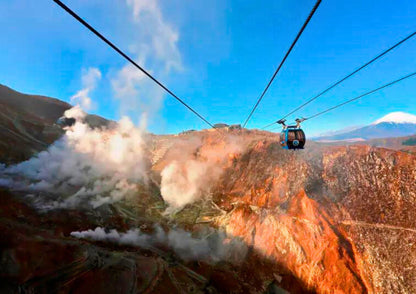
x,y
44,108
27,123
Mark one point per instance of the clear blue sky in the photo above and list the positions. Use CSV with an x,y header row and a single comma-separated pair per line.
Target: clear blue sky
x,y
217,55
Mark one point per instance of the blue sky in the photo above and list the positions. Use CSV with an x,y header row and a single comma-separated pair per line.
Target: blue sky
x,y
217,55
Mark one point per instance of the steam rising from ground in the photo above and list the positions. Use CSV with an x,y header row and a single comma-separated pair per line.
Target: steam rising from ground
x,y
183,183
86,165
104,165
98,166
212,248
195,167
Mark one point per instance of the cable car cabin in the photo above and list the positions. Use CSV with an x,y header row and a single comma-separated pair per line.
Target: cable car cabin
x,y
292,137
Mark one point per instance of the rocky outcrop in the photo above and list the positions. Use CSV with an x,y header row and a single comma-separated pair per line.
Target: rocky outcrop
x,y
377,189
338,218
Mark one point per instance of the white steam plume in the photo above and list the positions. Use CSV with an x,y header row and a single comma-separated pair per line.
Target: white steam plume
x,y
182,183
213,248
189,177
93,166
90,78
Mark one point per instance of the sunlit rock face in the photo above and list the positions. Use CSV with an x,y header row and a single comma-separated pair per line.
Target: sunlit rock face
x,y
377,191
273,214
306,241
339,218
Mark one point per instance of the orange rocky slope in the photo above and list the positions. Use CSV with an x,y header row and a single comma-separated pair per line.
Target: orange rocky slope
x,y
325,220
341,219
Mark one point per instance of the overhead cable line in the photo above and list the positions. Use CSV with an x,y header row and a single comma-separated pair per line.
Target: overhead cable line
x,y
361,96
283,60
358,97
345,78
119,51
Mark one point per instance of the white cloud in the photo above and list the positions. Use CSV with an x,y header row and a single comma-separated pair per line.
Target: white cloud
x,y
90,78
156,50
163,37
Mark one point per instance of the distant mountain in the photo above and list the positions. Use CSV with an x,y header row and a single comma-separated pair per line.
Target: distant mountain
x,y
395,124
27,123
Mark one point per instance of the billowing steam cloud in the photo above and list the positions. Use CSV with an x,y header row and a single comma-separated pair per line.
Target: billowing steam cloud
x,y
104,165
182,183
93,166
215,247
195,167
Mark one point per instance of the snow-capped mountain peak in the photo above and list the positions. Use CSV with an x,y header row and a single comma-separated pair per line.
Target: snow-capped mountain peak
x,y
397,117
394,124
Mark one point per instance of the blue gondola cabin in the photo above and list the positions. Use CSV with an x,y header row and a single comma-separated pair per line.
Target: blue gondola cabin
x,y
292,137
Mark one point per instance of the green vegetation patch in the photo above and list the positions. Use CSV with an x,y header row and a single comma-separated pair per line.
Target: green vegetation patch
x,y
410,142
